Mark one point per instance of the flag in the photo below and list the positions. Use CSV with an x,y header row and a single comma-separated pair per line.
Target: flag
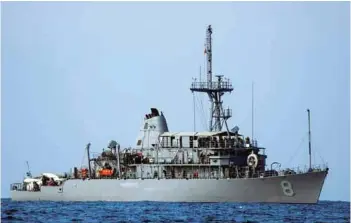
x,y
205,51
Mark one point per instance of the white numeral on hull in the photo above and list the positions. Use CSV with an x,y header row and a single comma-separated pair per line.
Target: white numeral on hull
x,y
287,188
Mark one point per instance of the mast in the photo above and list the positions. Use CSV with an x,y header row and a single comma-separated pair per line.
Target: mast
x,y
88,153
158,164
309,139
118,162
208,52
29,174
194,108
214,89
252,107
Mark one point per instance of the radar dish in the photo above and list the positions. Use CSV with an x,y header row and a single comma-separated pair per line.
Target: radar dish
x,y
235,129
112,144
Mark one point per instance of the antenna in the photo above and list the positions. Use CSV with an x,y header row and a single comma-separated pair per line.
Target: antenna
x,y
208,52
200,74
88,154
194,105
29,174
309,138
118,162
252,107
215,90
28,166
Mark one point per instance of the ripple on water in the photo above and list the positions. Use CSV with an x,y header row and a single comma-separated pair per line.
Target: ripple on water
x,y
325,211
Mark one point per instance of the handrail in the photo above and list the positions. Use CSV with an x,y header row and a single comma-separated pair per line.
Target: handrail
x,y
209,175
215,85
258,174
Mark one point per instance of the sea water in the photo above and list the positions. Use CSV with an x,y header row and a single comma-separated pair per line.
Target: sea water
x,y
41,211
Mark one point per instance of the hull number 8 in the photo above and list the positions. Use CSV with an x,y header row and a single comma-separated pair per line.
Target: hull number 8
x,y
287,188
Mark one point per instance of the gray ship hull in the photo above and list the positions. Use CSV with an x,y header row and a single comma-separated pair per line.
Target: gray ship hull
x,y
299,188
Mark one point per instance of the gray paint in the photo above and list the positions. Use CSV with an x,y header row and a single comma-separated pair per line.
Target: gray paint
x,y
306,188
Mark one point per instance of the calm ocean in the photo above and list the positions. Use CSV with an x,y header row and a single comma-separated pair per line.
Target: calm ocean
x,y
324,211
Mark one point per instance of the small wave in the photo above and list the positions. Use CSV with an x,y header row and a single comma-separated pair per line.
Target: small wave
x,y
172,212
12,218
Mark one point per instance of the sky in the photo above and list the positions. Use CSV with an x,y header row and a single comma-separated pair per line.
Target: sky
x,y
74,72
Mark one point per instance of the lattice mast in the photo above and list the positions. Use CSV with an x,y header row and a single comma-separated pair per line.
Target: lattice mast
x,y
214,89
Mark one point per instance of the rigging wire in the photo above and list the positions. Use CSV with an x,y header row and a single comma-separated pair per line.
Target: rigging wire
x,y
81,166
314,154
202,113
298,149
315,151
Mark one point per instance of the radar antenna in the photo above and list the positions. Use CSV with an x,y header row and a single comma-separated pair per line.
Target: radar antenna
x,y
29,174
214,89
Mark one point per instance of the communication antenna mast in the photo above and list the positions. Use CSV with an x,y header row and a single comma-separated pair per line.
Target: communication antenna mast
x,y
29,174
208,52
309,140
252,112
214,89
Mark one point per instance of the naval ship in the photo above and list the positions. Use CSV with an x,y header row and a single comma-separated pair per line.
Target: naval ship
x,y
217,165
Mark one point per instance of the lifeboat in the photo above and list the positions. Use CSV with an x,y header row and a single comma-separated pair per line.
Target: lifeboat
x,y
106,173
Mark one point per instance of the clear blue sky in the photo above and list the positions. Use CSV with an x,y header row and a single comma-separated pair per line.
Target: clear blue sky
x,y
74,73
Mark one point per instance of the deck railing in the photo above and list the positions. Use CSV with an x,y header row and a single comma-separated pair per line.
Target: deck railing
x,y
301,170
212,173
219,86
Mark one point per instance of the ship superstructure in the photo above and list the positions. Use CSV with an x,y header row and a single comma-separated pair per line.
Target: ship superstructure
x,y
214,165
